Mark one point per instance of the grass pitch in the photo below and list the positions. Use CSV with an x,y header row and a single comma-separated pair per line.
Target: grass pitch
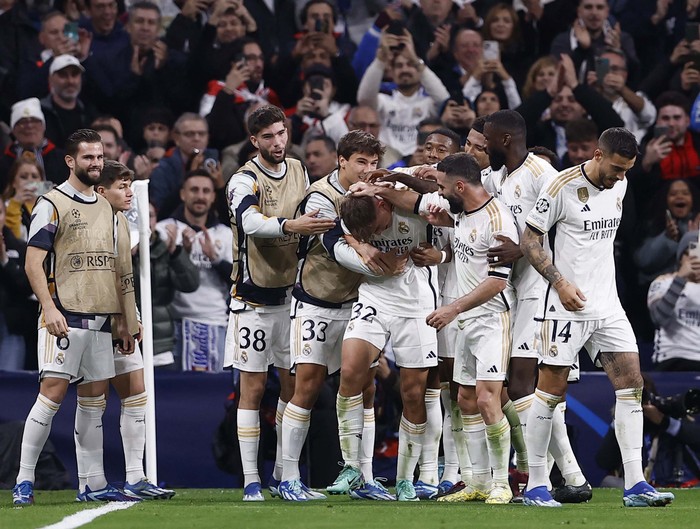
x,y
219,509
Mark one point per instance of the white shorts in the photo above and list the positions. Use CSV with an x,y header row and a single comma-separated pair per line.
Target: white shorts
x,y
316,335
127,363
562,340
255,340
525,329
413,341
84,355
483,349
447,337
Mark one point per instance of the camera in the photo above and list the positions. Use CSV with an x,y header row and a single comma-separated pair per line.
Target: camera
x,y
676,406
316,85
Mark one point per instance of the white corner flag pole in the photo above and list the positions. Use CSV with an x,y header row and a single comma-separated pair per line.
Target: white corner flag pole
x,y
140,188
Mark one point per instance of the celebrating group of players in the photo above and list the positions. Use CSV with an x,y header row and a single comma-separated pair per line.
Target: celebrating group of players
x,y
454,262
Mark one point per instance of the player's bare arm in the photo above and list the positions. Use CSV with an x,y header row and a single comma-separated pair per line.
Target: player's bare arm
x,y
570,296
419,185
489,288
404,199
506,253
55,322
426,254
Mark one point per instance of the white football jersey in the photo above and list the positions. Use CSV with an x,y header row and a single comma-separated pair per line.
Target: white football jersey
x,y
585,219
680,337
519,191
412,293
474,233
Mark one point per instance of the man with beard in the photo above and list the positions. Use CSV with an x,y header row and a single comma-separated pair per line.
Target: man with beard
x,y
584,205
62,108
407,105
263,197
482,311
208,243
518,188
73,231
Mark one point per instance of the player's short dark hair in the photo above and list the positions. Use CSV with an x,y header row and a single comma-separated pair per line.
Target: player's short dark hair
x,y
448,133
508,121
359,215
114,171
359,141
478,124
81,136
618,140
582,129
305,10
198,172
263,117
538,150
671,98
461,165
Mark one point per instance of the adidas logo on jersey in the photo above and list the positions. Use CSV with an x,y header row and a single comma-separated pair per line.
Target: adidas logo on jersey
x,y
492,369
586,208
523,347
431,354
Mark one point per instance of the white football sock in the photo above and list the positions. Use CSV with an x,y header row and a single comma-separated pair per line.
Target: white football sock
x,y
277,472
295,428
350,424
367,445
629,426
36,431
248,441
498,443
475,430
410,443
516,435
560,448
431,439
539,431
451,471
132,425
460,439
89,442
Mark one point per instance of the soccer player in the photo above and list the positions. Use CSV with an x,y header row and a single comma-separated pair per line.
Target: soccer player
x,y
115,186
580,308
388,307
483,314
323,296
263,196
505,134
73,232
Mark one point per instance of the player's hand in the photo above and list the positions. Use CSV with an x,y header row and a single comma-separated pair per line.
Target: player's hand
x,y
504,254
383,264
442,316
569,295
383,174
426,172
363,189
426,255
139,336
437,216
308,224
208,246
56,324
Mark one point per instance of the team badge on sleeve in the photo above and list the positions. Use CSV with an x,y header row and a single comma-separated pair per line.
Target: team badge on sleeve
x,y
542,205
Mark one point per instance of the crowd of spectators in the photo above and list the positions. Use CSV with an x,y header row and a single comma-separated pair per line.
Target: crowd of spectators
x,y
169,84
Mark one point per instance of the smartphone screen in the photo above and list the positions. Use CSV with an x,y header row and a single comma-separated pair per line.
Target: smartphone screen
x,y
692,31
492,51
602,67
70,30
660,131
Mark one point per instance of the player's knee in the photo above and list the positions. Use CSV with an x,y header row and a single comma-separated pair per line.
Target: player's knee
x,y
467,402
488,401
517,389
413,397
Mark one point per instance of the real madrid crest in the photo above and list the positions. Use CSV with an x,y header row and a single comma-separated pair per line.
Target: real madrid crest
x,y
619,204
307,350
582,193
403,228
553,351
244,357
60,358
472,236
517,192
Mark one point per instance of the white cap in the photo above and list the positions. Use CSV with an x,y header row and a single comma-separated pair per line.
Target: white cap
x,y
27,108
64,61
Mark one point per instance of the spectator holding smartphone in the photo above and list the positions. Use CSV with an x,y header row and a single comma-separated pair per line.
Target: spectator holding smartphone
x,y
26,182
